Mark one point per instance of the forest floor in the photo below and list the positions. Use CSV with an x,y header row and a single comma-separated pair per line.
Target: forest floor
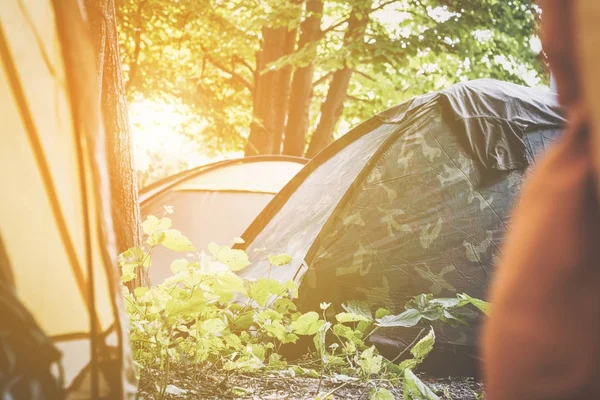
x,y
281,387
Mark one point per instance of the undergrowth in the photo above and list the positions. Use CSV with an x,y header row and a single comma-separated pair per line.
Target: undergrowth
x,y
209,321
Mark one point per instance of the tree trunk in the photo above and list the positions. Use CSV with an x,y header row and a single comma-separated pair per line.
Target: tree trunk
x,y
333,106
272,92
302,84
284,94
123,182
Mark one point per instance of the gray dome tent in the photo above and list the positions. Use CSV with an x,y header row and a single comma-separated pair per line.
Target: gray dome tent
x,y
415,200
216,202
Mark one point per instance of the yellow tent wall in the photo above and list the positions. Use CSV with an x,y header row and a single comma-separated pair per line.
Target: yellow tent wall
x,y
55,221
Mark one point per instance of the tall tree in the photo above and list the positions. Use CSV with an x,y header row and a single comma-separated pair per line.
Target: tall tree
x,y
257,73
123,183
272,86
301,92
332,107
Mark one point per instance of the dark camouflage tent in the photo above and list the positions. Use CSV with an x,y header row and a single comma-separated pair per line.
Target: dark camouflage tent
x,y
415,200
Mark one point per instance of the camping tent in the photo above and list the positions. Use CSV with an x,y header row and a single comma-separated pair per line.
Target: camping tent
x,y
56,238
215,202
414,200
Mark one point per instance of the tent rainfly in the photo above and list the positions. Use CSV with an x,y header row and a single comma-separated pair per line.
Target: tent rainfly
x,y
414,200
56,237
215,202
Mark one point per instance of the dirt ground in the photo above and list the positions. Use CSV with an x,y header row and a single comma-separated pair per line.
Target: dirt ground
x,y
280,387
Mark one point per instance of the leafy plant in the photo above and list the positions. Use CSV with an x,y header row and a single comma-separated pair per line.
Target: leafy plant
x,y
209,319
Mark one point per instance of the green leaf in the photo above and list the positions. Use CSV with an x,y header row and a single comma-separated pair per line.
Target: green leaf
x,y
364,326
446,302
370,363
280,260
382,312
244,321
298,370
407,319
232,341
483,306
307,324
409,363
230,283
153,224
284,305
134,257
175,241
140,291
424,346
350,317
267,315
415,389
261,290
276,361
313,374
346,332
381,394
127,273
235,259
258,350
179,265
451,318
320,341
156,238
359,308
292,287
213,326
275,329
188,307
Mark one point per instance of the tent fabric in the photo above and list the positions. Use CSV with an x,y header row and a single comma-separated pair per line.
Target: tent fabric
x,y
24,377
55,224
235,178
256,177
215,202
415,200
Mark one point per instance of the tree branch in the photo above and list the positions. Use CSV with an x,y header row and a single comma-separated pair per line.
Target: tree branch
x,y
365,75
354,98
240,60
229,71
332,27
322,79
382,5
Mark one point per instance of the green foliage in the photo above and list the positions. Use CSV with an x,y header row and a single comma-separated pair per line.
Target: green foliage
x,y
202,56
207,317
416,389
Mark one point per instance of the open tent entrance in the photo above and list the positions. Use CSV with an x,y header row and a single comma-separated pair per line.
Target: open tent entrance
x,y
216,202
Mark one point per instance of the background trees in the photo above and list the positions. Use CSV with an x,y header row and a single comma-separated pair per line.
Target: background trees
x,y
288,76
